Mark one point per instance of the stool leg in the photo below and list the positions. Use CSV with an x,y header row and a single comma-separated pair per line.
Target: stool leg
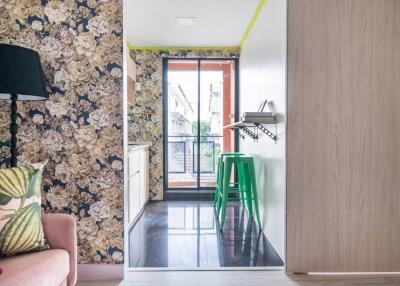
x,y
225,188
242,185
249,194
218,184
254,192
221,186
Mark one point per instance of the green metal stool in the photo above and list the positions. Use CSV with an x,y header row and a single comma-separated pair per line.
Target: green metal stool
x,y
238,187
220,172
247,186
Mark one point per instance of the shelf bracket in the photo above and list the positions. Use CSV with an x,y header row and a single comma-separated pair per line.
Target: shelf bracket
x,y
253,135
266,131
240,134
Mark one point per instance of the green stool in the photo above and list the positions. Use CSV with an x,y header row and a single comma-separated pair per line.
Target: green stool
x,y
247,186
238,187
220,172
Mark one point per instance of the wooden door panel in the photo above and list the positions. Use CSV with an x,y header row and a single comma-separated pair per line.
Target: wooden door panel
x,y
343,150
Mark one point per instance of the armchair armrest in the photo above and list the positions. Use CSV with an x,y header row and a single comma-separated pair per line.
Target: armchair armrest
x,y
60,232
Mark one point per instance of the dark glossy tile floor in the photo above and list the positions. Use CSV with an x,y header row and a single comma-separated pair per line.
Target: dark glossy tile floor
x,y
185,234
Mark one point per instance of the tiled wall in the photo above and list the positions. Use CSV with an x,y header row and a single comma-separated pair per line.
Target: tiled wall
x,y
79,129
149,101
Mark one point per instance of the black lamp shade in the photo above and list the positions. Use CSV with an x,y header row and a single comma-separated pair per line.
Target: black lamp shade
x,y
21,73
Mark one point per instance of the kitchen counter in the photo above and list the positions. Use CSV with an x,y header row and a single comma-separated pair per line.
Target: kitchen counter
x,y
138,178
139,145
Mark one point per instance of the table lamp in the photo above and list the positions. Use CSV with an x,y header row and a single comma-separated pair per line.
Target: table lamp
x,y
21,78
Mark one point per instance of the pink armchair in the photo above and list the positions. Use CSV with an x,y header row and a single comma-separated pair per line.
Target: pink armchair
x,y
54,267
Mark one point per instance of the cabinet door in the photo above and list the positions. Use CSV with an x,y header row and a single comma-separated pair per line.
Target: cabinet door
x,y
134,196
146,172
144,177
133,162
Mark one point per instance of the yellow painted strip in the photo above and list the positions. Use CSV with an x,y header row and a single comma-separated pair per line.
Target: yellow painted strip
x,y
166,48
130,47
253,20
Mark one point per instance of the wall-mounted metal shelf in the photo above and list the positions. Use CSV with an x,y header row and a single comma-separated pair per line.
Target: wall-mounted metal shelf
x,y
252,129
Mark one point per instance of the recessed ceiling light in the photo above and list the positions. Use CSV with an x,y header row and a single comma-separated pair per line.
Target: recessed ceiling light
x,y
185,21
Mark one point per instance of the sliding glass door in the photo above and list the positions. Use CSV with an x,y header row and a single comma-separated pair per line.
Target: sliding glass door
x,y
200,98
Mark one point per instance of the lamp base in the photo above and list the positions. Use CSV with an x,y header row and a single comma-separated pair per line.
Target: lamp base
x,y
13,130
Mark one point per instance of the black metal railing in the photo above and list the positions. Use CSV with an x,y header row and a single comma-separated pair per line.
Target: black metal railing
x,y
182,152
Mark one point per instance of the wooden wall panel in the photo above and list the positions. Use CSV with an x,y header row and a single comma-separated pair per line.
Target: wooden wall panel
x,y
343,150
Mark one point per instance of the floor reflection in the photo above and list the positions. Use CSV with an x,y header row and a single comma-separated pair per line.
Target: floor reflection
x,y
185,234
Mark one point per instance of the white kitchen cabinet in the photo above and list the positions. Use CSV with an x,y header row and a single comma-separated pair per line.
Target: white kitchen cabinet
x,y
138,183
144,178
134,162
134,196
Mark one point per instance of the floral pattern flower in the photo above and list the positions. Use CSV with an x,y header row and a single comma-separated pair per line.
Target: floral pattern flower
x,y
79,128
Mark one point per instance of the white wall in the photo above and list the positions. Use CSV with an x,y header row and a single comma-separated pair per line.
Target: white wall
x,y
263,76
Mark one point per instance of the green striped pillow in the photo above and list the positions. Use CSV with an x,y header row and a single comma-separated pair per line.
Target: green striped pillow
x,y
20,213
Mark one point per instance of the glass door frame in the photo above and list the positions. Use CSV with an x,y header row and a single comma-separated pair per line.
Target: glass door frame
x,y
198,192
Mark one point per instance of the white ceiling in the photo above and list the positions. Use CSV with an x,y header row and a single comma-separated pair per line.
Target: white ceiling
x,y
219,23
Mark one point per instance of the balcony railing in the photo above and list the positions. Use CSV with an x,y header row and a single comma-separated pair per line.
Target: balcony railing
x,y
182,154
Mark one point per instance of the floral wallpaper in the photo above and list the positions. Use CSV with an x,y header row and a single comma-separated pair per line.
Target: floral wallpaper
x,y
79,129
145,118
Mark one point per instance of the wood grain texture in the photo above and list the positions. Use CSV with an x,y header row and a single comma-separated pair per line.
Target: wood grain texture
x,y
343,151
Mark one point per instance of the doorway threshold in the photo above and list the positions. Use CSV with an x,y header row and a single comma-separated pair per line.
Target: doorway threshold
x,y
244,268
187,195
192,195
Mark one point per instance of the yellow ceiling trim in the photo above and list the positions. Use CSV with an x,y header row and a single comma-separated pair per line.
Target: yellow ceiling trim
x,y
253,20
166,48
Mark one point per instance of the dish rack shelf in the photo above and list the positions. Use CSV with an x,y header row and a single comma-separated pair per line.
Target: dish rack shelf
x,y
253,129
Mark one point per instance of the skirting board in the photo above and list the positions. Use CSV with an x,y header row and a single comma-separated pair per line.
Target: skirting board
x,y
87,272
